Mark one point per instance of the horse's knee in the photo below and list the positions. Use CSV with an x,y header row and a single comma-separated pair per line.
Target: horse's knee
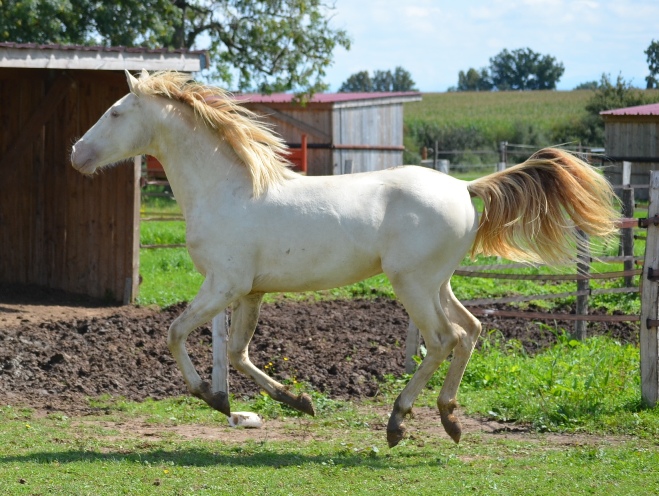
x,y
174,337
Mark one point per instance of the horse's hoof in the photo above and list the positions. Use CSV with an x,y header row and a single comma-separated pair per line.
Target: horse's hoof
x,y
395,436
220,402
451,423
304,404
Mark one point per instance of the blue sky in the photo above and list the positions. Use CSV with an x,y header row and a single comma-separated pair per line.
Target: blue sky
x,y
434,40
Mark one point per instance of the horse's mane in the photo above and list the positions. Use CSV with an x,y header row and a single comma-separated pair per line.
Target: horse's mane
x,y
253,141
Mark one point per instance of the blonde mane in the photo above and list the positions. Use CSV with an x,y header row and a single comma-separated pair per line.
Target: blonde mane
x,y
253,141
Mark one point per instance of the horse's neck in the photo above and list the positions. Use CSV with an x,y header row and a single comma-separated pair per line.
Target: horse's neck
x,y
200,167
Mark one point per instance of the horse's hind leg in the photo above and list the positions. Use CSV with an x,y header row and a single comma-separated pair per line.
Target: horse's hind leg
x,y
460,316
210,301
243,323
440,338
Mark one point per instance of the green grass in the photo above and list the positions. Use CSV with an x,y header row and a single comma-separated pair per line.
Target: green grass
x,y
49,458
499,111
589,388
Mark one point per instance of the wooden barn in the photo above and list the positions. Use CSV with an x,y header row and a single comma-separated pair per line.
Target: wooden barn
x,y
344,132
59,229
632,135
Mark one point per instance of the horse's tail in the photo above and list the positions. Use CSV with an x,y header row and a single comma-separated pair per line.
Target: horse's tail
x,y
531,210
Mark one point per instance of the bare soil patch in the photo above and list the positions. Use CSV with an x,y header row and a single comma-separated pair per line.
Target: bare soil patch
x,y
57,350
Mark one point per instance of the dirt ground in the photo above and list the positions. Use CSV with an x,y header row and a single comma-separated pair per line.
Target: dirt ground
x,y
57,349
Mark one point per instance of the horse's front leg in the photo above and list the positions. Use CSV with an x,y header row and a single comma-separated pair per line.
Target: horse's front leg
x,y
210,301
244,318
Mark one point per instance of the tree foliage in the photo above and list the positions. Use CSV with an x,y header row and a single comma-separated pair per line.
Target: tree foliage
x,y
524,69
474,80
653,65
386,81
359,82
268,45
521,69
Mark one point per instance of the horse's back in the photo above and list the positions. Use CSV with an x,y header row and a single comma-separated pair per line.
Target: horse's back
x,y
405,212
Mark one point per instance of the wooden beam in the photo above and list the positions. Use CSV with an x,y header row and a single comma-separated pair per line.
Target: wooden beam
x,y
42,113
649,340
303,126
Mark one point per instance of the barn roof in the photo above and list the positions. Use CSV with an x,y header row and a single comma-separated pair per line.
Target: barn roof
x,y
335,99
651,109
35,56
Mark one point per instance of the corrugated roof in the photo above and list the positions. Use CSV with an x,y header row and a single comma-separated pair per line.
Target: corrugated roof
x,y
56,56
651,109
329,97
333,97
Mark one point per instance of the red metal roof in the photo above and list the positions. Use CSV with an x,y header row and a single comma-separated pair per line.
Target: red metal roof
x,y
651,109
328,97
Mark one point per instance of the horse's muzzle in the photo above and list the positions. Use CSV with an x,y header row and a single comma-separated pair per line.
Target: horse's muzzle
x,y
83,158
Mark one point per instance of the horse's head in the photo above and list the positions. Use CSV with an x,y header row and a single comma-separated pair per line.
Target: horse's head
x,y
122,132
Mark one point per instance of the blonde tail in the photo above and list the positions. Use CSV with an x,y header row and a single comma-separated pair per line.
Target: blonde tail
x,y
532,209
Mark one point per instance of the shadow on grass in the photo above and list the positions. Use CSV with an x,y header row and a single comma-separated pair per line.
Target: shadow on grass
x,y
198,457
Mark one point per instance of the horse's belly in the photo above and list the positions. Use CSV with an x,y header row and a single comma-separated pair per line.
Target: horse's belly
x,y
301,271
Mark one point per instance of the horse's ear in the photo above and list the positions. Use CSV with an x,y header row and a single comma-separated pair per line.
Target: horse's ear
x,y
144,74
132,82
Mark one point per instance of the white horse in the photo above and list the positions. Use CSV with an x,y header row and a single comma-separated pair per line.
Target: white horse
x,y
254,226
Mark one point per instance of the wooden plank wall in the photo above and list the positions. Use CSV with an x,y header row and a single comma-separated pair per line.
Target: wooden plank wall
x,y
632,136
380,124
369,125
58,228
317,116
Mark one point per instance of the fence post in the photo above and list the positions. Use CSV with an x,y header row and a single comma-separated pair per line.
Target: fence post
x,y
503,155
627,234
220,374
412,347
583,268
626,174
434,156
649,340
347,166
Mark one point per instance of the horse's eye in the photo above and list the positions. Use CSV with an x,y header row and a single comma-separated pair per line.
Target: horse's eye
x,y
114,113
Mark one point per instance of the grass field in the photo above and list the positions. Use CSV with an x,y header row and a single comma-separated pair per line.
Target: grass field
x,y
588,390
495,110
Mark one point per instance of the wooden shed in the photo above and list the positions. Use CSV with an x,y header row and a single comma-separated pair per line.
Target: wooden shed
x,y
59,229
632,135
346,132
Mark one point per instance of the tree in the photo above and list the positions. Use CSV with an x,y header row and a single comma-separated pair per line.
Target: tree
x,y
387,81
402,80
383,81
357,83
268,45
524,69
653,65
474,80
588,85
